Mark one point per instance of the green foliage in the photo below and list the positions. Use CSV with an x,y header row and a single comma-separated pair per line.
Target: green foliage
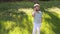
x,y
16,17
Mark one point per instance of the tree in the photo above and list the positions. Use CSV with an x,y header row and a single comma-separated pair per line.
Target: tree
x,y
36,1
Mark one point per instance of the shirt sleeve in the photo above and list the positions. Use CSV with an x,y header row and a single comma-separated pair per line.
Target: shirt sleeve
x,y
40,13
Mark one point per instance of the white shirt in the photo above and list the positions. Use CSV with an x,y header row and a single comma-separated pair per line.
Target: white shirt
x,y
38,17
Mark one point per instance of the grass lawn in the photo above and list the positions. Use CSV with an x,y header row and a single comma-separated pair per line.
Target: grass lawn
x,y
16,18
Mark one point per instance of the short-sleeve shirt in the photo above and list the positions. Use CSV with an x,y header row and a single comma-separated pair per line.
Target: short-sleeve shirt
x,y
38,17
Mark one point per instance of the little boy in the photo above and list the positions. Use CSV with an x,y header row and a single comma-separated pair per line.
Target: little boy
x,y
37,18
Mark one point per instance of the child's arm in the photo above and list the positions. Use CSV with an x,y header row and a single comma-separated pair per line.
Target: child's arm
x,y
33,13
41,18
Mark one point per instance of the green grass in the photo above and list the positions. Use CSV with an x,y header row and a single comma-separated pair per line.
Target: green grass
x,y
16,18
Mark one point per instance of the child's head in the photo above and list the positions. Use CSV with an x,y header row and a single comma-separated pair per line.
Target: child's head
x,y
36,7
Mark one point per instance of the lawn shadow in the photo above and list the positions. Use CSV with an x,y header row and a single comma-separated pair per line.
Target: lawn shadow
x,y
20,18
54,22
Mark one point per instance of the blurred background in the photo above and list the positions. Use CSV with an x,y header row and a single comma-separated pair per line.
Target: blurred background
x,y
16,16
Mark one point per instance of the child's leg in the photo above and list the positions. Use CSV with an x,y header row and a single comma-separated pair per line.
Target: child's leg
x,y
38,28
34,29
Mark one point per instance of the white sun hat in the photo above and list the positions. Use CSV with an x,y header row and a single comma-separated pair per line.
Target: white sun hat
x,y
36,5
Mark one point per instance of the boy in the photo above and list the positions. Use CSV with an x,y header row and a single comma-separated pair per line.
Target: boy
x,y
37,19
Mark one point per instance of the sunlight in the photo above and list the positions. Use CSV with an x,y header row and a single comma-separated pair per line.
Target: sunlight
x,y
15,30
54,9
18,30
16,17
47,16
26,10
9,24
47,29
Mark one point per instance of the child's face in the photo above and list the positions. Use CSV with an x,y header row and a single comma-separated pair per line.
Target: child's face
x,y
36,8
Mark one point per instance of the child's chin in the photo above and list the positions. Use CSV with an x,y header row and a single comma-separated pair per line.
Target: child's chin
x,y
37,10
